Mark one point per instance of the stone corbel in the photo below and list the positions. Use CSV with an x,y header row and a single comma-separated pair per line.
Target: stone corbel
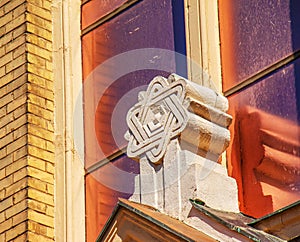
x,y
177,108
177,131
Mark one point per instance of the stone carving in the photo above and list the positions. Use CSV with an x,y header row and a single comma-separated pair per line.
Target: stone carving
x,y
176,107
185,126
158,117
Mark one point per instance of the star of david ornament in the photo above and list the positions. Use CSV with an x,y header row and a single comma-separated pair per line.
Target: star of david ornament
x,y
158,117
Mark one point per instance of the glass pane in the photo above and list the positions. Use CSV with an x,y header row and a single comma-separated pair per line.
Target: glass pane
x,y
264,154
115,86
255,34
103,188
95,9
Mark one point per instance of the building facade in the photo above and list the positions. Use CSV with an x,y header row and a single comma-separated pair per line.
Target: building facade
x,y
70,70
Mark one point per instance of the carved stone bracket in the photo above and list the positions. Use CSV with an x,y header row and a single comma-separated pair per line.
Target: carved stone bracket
x,y
185,126
176,107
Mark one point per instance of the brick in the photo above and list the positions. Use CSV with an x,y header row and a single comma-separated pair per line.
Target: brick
x,y
37,60
19,132
40,72
2,194
6,99
16,165
50,189
37,206
39,91
50,146
19,31
35,237
38,51
19,71
2,113
14,64
15,43
38,41
16,187
19,50
2,217
37,100
2,3
6,182
40,153
36,141
19,218
20,153
12,5
2,132
21,238
6,119
15,23
19,10
17,144
2,73
37,184
6,18
2,237
2,31
16,231
6,59
41,218
6,140
20,111
50,167
5,225
38,81
6,79
6,204
2,53
38,121
39,11
20,91
20,174
6,160
39,132
19,196
2,174
16,83
38,21
19,101
6,38
37,228
40,196
41,175
31,28
49,66
3,154
16,208
38,3
50,211
50,105
47,4
36,163
39,111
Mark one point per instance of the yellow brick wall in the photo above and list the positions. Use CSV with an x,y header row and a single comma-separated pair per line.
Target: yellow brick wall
x,y
26,121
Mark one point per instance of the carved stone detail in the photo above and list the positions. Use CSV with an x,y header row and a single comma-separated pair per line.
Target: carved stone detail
x,y
176,107
185,126
158,117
